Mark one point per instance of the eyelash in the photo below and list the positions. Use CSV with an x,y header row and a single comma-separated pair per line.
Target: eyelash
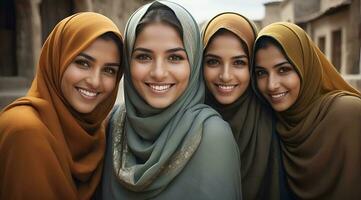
x,y
82,63
281,70
240,62
237,63
260,73
212,62
110,70
175,58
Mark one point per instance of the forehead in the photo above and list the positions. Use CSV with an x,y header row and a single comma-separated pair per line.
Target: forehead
x,y
269,56
158,31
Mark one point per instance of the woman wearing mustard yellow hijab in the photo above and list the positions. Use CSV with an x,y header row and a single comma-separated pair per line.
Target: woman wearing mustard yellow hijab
x,y
52,141
319,114
228,40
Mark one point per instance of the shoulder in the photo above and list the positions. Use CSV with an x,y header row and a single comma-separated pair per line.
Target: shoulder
x,y
215,126
217,135
21,126
346,106
21,118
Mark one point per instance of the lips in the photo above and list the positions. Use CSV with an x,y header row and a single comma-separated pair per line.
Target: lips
x,y
87,93
277,97
225,88
160,88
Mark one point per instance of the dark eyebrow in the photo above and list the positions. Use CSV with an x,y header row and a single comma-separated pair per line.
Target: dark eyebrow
x,y
93,60
212,55
175,50
87,56
281,63
275,66
240,56
168,51
235,57
142,49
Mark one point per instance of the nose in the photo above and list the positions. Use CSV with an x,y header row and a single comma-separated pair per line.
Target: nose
x,y
159,71
273,82
94,79
225,74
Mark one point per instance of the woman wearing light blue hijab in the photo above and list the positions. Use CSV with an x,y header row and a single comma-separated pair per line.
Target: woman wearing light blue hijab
x,y
167,148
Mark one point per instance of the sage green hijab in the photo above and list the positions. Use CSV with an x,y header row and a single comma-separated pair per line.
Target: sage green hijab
x,y
250,120
157,144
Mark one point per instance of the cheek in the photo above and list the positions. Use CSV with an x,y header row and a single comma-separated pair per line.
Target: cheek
x,y
137,72
243,75
210,74
71,76
109,83
262,85
183,76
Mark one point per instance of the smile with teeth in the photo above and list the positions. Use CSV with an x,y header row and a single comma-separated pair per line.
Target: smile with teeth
x,y
278,95
226,87
160,88
87,93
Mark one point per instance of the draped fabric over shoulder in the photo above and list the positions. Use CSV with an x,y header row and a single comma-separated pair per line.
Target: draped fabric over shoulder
x,y
321,132
167,153
250,120
48,150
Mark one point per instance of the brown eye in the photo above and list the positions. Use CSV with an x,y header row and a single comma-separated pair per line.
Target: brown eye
x,y
260,73
285,69
110,70
212,62
143,57
175,58
240,62
82,63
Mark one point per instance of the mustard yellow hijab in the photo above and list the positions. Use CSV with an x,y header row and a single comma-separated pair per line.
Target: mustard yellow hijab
x,y
321,132
250,120
48,150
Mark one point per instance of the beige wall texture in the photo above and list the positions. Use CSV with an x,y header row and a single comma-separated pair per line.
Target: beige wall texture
x,y
320,18
24,26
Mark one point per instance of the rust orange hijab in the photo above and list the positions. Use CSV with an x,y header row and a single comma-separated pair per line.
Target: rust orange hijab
x,y
48,150
321,131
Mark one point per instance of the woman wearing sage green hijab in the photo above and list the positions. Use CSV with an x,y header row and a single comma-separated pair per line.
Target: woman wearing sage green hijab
x,y
319,114
228,40
165,144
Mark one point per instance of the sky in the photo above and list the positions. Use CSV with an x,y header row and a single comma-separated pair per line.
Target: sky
x,y
203,10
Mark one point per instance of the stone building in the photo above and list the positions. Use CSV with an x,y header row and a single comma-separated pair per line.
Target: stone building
x,y
24,26
334,25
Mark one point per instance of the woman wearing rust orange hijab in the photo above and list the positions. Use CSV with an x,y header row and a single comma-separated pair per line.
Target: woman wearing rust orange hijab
x,y
319,114
52,141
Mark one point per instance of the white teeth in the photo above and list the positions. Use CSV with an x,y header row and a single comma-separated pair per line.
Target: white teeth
x,y
160,88
87,93
278,95
226,87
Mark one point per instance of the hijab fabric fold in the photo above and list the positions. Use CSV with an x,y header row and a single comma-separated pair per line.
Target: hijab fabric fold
x,y
321,131
250,120
70,145
154,145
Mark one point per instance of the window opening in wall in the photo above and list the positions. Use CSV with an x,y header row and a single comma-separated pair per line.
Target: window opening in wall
x,y
322,43
7,39
337,49
52,12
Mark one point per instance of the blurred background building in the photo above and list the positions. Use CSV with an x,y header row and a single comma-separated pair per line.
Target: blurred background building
x,y
25,25
335,26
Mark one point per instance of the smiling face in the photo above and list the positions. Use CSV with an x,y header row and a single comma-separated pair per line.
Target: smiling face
x,y
159,65
277,79
91,77
226,68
